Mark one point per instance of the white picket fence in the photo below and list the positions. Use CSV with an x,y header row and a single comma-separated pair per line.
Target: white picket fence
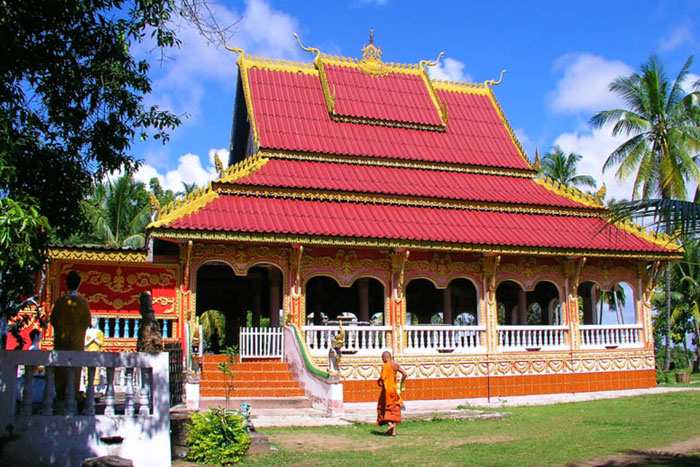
x,y
261,343
361,340
518,338
603,336
444,339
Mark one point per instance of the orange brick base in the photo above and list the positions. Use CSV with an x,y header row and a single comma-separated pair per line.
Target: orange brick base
x,y
500,386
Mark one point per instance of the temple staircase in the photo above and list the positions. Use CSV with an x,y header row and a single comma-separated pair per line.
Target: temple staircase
x,y
263,383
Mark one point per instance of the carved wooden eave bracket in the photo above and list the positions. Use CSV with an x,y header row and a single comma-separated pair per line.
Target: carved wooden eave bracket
x,y
489,267
295,254
399,256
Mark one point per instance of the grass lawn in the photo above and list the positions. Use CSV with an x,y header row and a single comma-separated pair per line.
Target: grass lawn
x,y
545,435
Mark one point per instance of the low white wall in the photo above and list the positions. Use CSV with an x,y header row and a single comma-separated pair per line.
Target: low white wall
x,y
69,439
326,394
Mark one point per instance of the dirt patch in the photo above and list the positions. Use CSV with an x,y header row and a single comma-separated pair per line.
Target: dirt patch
x,y
680,453
323,442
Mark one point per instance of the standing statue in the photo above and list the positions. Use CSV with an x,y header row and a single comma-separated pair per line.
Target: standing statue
x,y
70,318
150,339
94,342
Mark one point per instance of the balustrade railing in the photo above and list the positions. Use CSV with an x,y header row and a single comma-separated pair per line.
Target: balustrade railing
x,y
261,343
444,339
532,338
128,328
602,336
372,340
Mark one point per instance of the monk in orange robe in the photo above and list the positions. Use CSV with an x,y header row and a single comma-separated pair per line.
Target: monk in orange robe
x,y
70,318
389,405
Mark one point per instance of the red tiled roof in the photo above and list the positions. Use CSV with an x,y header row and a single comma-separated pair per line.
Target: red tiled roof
x,y
290,113
404,181
344,219
398,97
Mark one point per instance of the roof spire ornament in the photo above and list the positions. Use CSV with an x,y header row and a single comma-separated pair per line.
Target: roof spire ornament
x,y
371,62
536,164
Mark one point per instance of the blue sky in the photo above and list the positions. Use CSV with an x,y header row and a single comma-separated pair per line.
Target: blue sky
x,y
560,57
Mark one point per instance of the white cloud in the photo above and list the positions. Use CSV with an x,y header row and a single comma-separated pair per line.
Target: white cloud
x,y
259,30
584,86
451,70
595,146
676,38
689,82
189,170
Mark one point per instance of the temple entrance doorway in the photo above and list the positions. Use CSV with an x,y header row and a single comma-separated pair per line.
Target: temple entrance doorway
x,y
226,302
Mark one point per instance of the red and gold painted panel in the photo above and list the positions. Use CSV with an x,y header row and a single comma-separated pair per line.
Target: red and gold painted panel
x,y
113,290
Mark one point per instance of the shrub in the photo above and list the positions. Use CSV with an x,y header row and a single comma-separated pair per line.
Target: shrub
x,y
217,437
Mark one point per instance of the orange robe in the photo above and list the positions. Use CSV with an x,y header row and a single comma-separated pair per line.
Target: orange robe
x,y
389,404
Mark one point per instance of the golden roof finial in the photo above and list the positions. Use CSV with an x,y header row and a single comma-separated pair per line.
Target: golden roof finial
x,y
536,164
312,50
490,82
371,53
600,194
219,165
425,63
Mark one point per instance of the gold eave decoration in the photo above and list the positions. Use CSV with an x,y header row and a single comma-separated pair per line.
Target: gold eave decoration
x,y
87,254
185,205
368,242
242,169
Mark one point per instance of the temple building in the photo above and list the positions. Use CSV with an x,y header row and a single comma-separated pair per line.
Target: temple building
x,y
365,194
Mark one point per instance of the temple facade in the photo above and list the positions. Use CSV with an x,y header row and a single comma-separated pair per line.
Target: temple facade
x,y
365,198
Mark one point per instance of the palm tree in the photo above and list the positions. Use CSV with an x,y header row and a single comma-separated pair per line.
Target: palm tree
x,y
562,168
661,122
687,274
119,211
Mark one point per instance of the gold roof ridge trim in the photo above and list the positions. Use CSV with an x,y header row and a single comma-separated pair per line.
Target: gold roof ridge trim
x,y
242,169
375,242
569,192
400,164
185,205
660,239
311,194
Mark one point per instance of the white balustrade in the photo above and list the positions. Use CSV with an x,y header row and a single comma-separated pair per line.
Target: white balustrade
x,y
532,338
601,336
360,340
261,343
430,339
36,420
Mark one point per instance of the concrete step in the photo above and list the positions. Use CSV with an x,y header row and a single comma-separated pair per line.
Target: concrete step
x,y
255,402
246,384
251,392
217,375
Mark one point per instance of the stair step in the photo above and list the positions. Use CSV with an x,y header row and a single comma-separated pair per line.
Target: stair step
x,y
248,376
257,392
255,402
245,384
250,366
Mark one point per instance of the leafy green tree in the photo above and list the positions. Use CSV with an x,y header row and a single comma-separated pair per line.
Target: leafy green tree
x,y
119,211
562,168
188,188
661,122
686,310
71,104
163,196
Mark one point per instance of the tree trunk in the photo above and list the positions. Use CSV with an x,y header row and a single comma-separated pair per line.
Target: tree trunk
x,y
667,361
696,365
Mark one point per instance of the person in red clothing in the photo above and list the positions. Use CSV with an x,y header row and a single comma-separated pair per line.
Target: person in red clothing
x,y
389,404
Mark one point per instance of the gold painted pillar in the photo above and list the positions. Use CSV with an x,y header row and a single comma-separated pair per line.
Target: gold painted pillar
x,y
294,314
489,318
647,284
572,272
397,300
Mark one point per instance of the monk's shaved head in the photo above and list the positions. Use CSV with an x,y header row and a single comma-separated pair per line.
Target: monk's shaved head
x,y
386,356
